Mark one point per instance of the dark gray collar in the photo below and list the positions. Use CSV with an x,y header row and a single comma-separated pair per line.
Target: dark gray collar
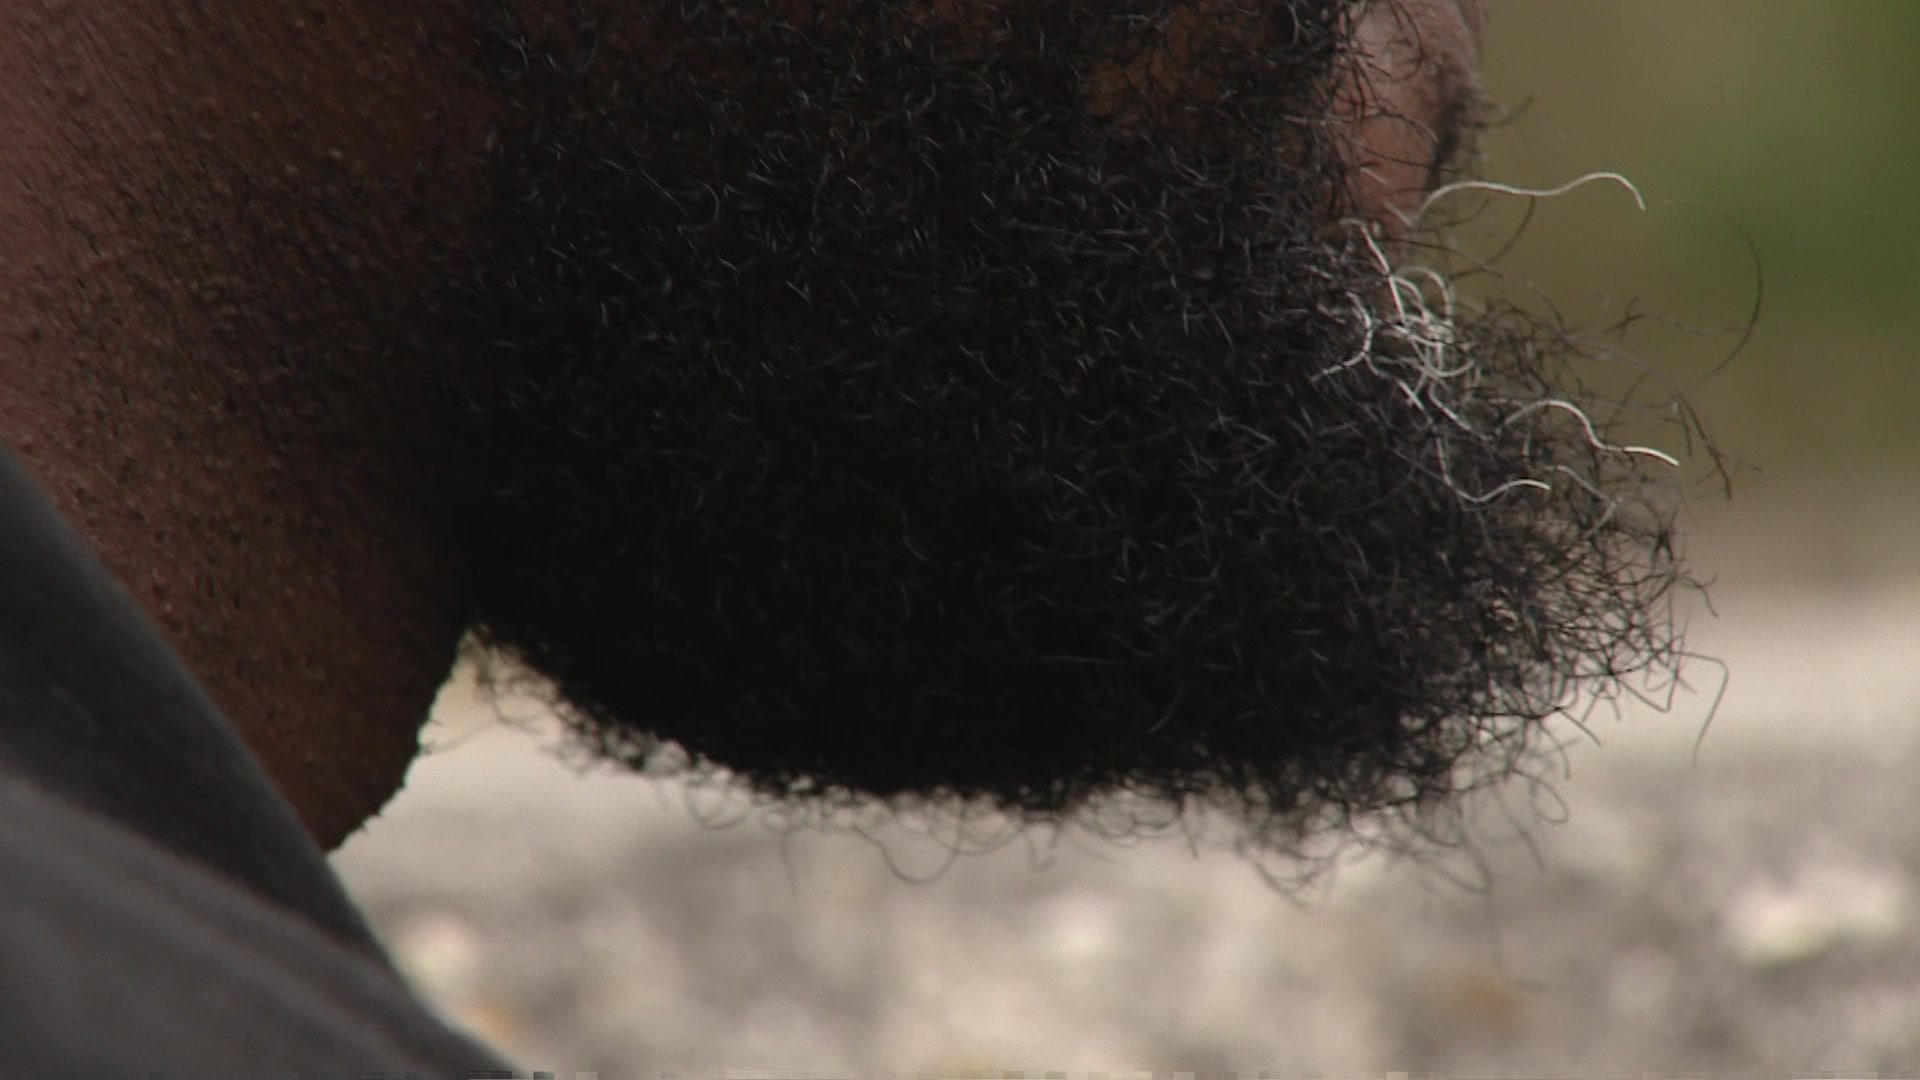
x,y
96,709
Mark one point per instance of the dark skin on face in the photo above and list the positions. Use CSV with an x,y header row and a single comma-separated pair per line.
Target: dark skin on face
x,y
346,329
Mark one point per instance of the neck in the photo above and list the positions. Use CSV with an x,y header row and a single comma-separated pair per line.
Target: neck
x,y
317,611
217,348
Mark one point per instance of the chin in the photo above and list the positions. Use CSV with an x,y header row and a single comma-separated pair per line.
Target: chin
x,y
995,454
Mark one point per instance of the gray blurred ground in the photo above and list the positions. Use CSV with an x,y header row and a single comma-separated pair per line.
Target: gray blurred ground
x,y
1754,909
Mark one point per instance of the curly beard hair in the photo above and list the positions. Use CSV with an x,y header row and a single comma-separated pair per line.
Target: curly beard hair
x,y
980,410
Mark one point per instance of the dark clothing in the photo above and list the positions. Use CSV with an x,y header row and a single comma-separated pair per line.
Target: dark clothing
x,y
161,909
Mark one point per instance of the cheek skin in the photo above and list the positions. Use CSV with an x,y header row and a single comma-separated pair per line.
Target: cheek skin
x,y
1415,64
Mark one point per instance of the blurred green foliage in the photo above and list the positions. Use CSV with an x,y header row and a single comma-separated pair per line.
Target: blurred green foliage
x,y
1786,127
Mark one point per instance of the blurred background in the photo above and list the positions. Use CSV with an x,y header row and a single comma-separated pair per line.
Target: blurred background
x,y
1773,142
1729,883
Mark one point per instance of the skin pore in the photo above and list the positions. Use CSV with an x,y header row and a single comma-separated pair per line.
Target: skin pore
x,y
811,384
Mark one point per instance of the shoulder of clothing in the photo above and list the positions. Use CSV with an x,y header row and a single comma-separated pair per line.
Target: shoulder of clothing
x,y
118,957
161,907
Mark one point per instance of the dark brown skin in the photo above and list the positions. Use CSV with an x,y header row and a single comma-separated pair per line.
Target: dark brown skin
x,y
219,239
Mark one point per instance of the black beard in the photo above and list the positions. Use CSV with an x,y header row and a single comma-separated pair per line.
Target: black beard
x,y
881,422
